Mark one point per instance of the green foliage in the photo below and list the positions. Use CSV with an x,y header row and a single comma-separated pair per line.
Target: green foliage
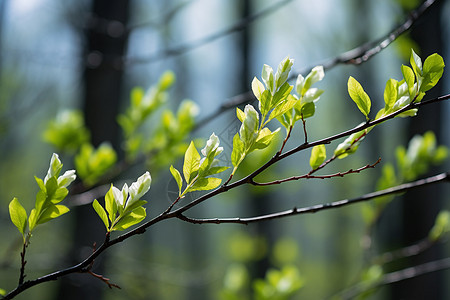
x,y
67,132
422,152
304,106
167,141
441,226
52,190
318,156
197,169
278,284
359,96
124,208
92,164
142,104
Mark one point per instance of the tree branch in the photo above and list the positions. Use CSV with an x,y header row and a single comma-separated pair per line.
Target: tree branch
x,y
310,176
393,277
355,56
443,177
181,49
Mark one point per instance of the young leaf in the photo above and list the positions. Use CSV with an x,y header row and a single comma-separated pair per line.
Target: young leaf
x,y
283,71
416,63
390,94
110,204
32,219
282,93
101,213
318,156
130,219
257,88
408,74
433,67
282,108
359,96
52,212
267,77
177,176
205,184
238,154
240,114
18,215
264,139
191,163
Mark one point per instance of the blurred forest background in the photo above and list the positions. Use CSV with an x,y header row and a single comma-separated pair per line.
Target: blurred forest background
x,y
89,55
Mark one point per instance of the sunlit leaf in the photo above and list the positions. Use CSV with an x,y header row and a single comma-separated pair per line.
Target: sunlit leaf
x,y
359,96
177,176
191,163
18,215
133,218
101,213
318,156
205,184
433,67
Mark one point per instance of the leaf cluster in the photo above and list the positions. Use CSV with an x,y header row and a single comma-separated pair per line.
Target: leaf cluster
x,y
124,208
52,190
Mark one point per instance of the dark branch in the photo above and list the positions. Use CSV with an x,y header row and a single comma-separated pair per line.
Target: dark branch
x,y
355,56
181,49
397,276
444,177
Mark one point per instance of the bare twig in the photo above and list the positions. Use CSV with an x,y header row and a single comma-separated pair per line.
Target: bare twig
x,y
181,49
397,276
104,279
309,176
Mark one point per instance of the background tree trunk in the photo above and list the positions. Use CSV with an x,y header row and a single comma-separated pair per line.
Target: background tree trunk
x,y
104,49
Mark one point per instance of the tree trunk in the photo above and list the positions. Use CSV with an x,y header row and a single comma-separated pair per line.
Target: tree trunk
x,y
104,49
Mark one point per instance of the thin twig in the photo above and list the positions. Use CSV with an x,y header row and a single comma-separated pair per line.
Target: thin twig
x,y
104,279
181,49
309,176
397,276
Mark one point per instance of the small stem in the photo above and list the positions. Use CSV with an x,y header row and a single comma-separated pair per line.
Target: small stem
x,y
288,135
304,130
23,262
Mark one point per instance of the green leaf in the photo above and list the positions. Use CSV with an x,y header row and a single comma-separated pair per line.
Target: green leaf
x,y
101,213
281,95
433,67
32,219
240,114
307,110
237,155
408,74
18,215
133,206
282,108
267,77
215,170
416,63
134,217
318,156
264,139
177,176
257,88
52,212
110,204
359,96
41,196
40,183
191,163
390,94
205,184
283,71
441,226
264,104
